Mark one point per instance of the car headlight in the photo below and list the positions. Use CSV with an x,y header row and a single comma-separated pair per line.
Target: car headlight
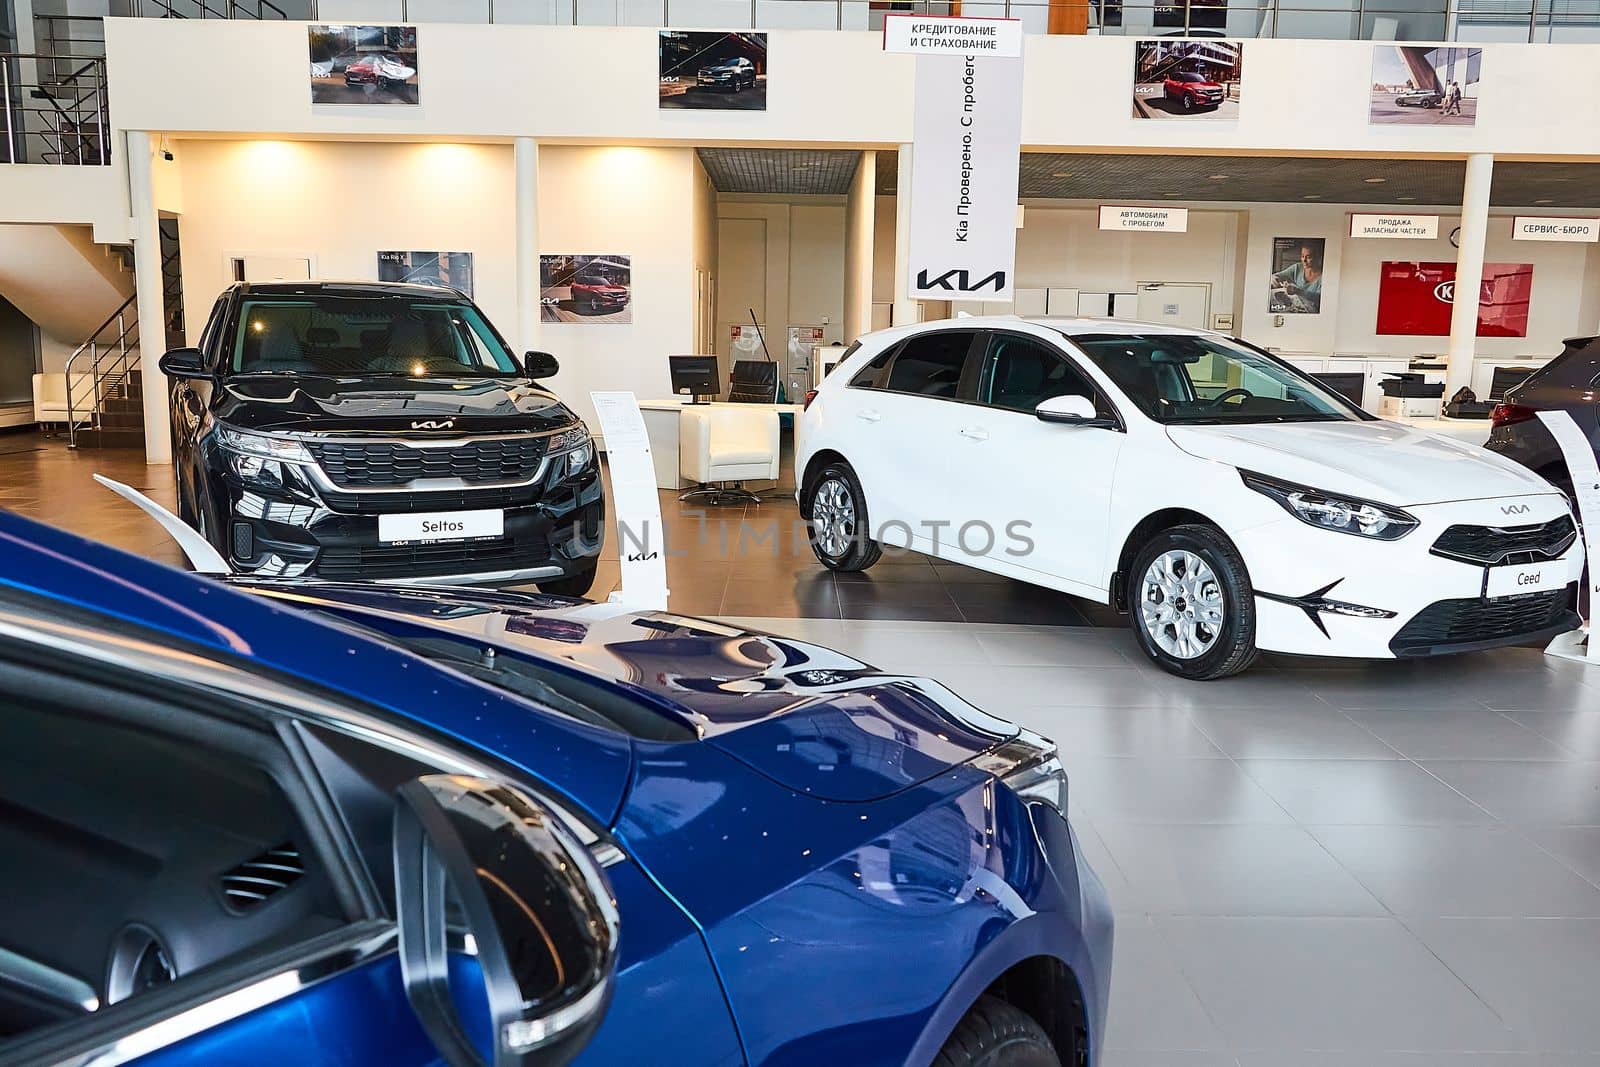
x,y
1330,511
574,448
1030,767
244,443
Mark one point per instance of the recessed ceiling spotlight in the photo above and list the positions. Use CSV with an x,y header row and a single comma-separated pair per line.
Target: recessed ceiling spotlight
x,y
1312,196
1546,200
1219,177
1405,198
1061,174
1374,181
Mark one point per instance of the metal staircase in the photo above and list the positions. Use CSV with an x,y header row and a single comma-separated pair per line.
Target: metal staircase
x,y
105,390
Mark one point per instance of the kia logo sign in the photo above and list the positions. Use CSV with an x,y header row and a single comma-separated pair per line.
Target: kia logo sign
x,y
1514,509
1445,292
432,424
960,280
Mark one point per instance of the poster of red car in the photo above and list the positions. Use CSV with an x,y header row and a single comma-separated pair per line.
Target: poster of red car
x,y
586,289
363,64
1415,299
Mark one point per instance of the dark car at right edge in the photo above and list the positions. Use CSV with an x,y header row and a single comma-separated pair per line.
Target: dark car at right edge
x,y
1570,383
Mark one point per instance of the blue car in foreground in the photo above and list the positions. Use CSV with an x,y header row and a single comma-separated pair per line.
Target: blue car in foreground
x,y
354,824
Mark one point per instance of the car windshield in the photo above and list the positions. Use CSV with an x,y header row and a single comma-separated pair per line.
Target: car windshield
x,y
1194,78
391,335
1182,378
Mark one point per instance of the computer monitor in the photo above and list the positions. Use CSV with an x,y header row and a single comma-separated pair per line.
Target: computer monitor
x,y
1348,384
694,376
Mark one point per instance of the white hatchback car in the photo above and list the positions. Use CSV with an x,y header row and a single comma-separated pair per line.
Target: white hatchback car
x,y
1227,501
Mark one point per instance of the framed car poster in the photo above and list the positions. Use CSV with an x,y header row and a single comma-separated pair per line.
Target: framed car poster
x,y
363,64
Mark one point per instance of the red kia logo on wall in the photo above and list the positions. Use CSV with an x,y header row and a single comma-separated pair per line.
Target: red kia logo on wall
x,y
1415,299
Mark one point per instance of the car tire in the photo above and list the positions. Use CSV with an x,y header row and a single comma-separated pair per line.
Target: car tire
x,y
1189,647
1188,102
576,584
997,1034
845,547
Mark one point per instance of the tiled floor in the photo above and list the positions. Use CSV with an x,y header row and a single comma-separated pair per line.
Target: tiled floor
x,y
1391,864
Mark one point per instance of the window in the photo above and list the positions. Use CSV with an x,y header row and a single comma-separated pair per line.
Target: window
x,y
1185,378
871,376
383,335
930,364
134,858
1020,372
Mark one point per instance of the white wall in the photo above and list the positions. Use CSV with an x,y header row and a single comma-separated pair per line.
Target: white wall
x,y
340,203
1064,246
1077,92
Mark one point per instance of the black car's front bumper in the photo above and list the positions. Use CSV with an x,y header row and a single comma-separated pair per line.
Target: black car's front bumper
x,y
294,525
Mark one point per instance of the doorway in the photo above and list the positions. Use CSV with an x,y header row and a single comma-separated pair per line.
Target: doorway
x,y
1186,304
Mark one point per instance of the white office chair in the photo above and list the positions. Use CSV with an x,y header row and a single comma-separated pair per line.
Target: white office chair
x,y
721,446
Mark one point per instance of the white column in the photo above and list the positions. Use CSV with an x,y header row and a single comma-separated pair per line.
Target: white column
x,y
148,286
906,310
1469,272
527,215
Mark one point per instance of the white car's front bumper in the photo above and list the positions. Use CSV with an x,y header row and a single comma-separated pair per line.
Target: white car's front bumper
x,y
1296,568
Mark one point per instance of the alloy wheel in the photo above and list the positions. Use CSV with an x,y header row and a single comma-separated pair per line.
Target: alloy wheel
x,y
833,517
1182,606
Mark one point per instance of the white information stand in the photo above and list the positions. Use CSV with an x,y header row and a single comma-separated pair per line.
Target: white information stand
x,y
641,538
1585,473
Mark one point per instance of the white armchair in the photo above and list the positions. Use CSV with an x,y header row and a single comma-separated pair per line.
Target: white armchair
x,y
50,396
719,444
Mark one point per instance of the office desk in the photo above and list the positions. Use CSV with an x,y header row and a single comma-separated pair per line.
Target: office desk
x,y
661,425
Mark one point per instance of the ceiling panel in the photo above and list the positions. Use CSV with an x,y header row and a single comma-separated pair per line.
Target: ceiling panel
x,y
1286,180
780,170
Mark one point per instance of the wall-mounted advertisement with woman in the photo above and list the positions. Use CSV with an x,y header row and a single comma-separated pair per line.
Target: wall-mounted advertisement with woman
x,y
1295,286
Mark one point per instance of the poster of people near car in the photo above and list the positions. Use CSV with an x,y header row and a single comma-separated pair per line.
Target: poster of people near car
x,y
713,71
586,289
1295,286
453,269
1417,299
1195,80
363,64
1425,85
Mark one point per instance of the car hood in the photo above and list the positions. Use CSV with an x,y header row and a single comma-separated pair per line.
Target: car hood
x,y
323,403
807,717
1381,461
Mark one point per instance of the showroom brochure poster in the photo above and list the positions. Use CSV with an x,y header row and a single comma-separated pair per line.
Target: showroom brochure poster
x,y
363,64
640,539
1585,473
966,147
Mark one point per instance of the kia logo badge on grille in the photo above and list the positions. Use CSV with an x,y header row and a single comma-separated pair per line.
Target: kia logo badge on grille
x,y
1514,509
432,424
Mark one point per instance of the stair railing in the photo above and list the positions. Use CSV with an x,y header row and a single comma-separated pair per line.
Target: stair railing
x,y
112,350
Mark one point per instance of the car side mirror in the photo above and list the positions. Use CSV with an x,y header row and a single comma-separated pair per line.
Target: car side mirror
x,y
534,903
1072,410
184,363
540,364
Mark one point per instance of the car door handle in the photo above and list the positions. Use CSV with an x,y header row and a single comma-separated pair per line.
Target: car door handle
x,y
869,416
976,433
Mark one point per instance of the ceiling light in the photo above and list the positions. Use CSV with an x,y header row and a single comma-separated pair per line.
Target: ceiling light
x,y
1219,177
1546,200
1405,198
1374,181
1312,196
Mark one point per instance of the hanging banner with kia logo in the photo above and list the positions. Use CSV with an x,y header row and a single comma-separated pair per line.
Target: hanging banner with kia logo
x,y
1415,299
966,147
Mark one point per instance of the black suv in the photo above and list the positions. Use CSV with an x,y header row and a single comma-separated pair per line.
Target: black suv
x,y
354,431
1570,382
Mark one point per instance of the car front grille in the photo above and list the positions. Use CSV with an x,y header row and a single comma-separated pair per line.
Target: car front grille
x,y
362,464
1507,544
1469,621
357,562
520,496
